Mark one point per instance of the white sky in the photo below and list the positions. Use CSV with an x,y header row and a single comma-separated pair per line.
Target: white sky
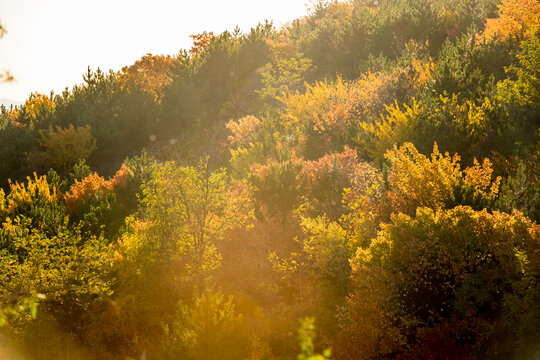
x,y
51,43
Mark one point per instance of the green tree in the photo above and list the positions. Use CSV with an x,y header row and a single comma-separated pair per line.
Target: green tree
x,y
208,328
170,246
517,99
307,335
121,118
189,209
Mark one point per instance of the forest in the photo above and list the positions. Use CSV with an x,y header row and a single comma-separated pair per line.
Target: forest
x,y
361,183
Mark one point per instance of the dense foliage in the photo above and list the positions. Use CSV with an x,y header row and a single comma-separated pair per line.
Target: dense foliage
x,y
371,170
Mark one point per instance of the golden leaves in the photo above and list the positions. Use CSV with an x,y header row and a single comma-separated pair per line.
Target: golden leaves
x,y
37,104
416,180
517,19
84,189
22,195
201,42
480,177
242,130
152,73
94,186
61,148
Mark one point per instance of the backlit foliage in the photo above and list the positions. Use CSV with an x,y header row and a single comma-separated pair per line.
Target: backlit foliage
x,y
23,195
243,130
37,106
418,181
285,75
371,167
152,73
45,268
332,175
68,272
94,188
201,42
282,46
61,148
523,91
395,128
454,267
35,113
517,19
189,210
327,113
419,73
448,121
92,185
207,329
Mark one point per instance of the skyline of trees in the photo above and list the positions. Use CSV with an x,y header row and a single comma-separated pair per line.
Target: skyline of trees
x,y
371,170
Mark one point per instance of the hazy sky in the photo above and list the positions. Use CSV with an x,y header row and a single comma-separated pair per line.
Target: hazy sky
x,y
51,43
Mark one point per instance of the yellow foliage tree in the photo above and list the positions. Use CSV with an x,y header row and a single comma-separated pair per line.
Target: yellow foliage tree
x,y
151,72
38,103
454,124
329,111
21,196
201,42
416,180
394,128
242,131
517,19
37,107
61,148
447,280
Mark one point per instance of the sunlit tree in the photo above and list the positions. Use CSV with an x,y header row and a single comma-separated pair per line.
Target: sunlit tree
x,y
517,19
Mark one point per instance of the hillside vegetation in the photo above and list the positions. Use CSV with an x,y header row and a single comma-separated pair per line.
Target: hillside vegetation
x,y
362,183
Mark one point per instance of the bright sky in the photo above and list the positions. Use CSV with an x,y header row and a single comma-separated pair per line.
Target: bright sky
x,y
51,43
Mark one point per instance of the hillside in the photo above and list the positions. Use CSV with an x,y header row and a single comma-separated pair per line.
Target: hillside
x,y
362,183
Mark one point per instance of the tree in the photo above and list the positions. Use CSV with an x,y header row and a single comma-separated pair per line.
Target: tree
x,y
517,19
329,177
436,182
61,148
201,42
284,75
189,209
306,334
121,119
34,204
67,273
152,73
457,283
172,246
457,126
279,183
186,212
327,115
43,259
517,100
208,328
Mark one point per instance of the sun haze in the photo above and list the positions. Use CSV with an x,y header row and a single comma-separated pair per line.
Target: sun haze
x,y
50,44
